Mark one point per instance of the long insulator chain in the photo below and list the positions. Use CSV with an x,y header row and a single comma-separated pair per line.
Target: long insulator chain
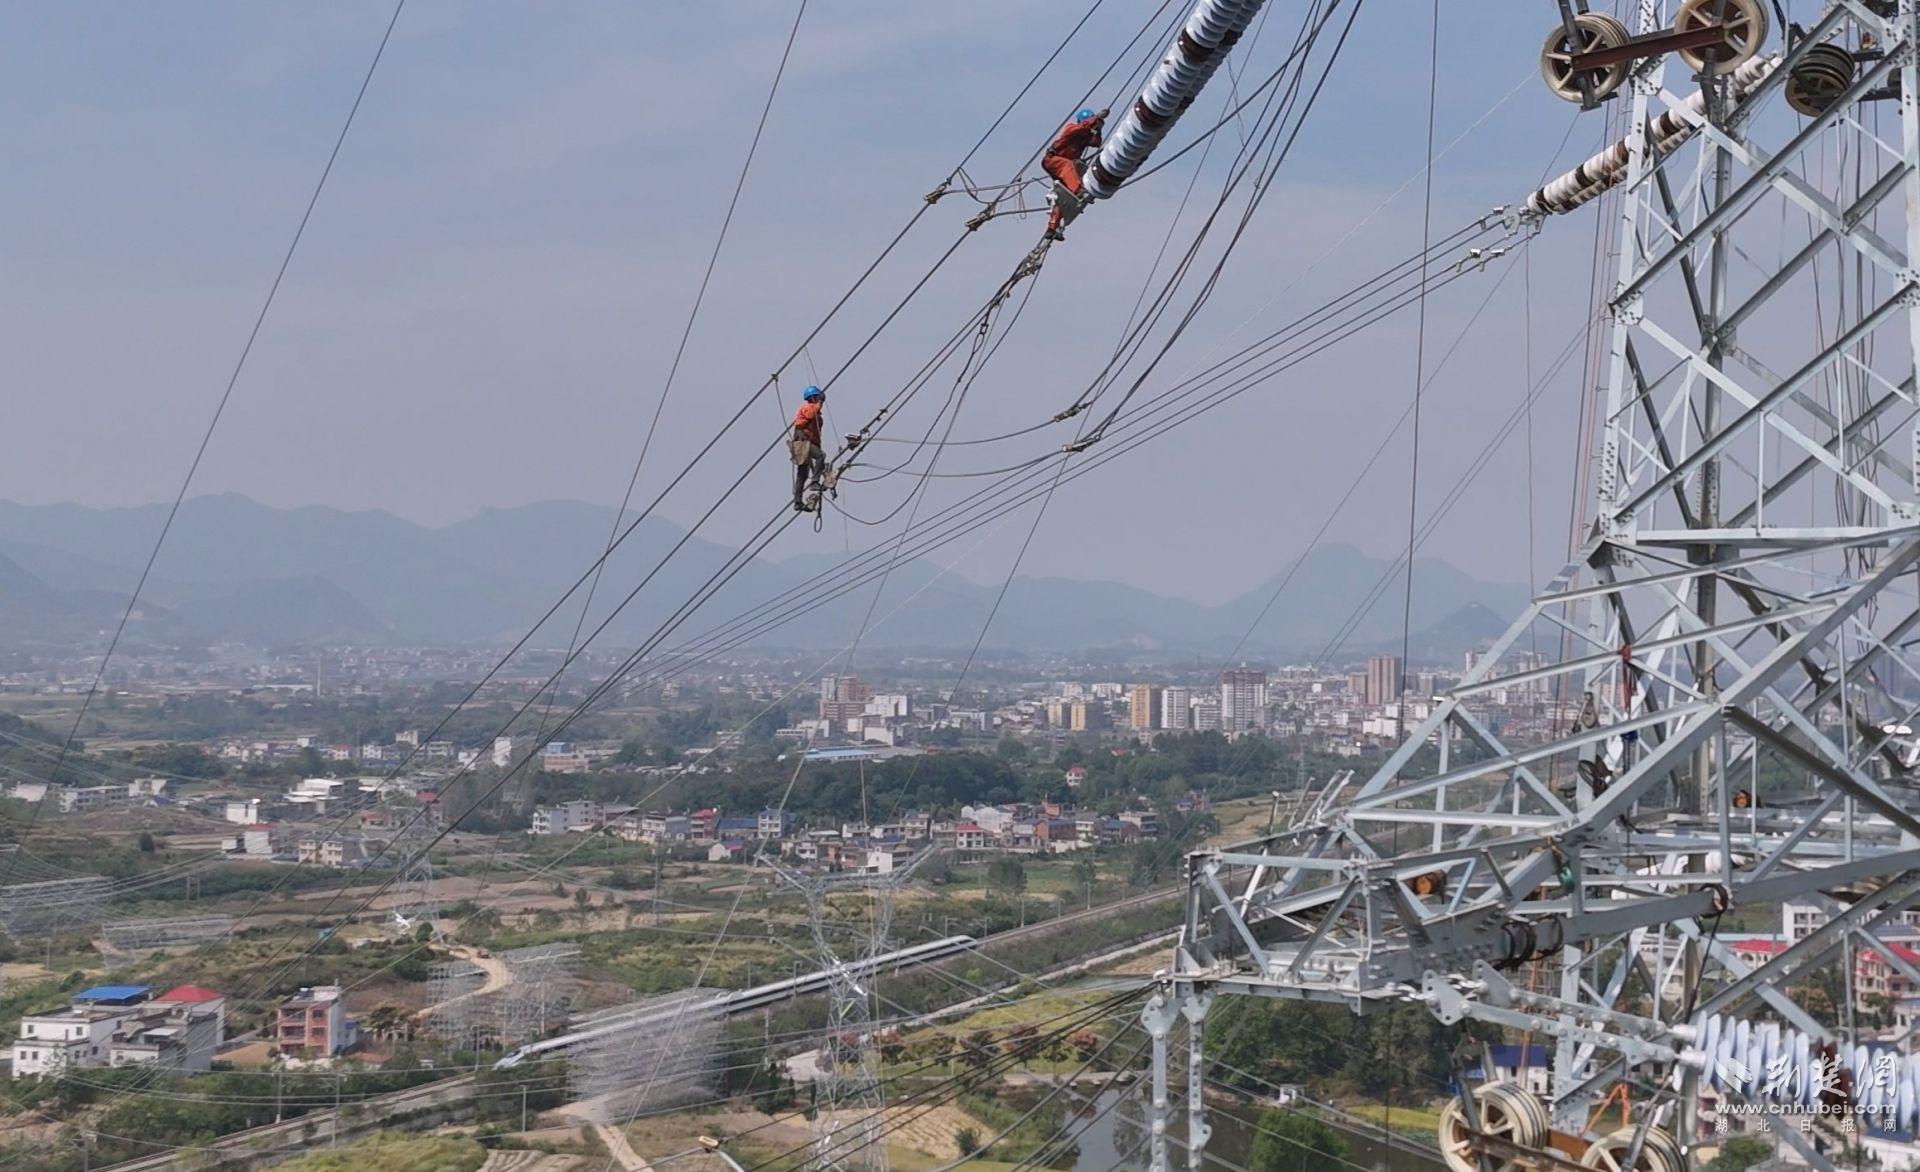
x,y
1664,135
1204,42
1771,1062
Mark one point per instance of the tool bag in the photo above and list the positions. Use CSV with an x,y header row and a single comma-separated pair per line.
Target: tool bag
x,y
802,450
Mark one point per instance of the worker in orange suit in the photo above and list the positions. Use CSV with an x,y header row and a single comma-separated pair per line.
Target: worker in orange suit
x,y
1062,160
809,458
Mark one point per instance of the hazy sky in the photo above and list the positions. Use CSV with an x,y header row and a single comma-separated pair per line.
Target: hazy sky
x,y
485,305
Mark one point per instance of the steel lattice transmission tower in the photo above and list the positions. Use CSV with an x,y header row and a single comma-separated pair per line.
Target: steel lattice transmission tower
x,y
1732,648
413,901
848,1121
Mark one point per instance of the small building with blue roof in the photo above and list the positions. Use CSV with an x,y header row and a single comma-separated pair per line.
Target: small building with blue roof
x,y
113,995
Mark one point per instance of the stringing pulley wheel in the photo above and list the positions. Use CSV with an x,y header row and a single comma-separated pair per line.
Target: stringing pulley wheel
x,y
1506,1112
1816,82
1658,1154
1743,29
1596,30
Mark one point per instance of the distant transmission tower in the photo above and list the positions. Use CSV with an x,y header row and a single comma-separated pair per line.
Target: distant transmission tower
x,y
848,1132
413,896
1736,639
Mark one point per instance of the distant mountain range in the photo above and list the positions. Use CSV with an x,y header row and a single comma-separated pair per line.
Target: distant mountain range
x,y
237,570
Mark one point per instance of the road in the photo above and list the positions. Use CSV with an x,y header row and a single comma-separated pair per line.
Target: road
x,y
496,976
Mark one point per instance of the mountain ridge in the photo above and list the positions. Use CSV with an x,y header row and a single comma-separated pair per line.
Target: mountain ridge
x,y
237,569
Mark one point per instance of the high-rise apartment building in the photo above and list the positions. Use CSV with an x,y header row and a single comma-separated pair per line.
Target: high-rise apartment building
x,y
1176,708
1206,714
1143,707
842,698
1243,699
1383,679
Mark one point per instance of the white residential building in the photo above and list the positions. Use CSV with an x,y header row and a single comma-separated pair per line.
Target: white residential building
x,y
502,752
243,811
91,797
1799,920
316,795
78,1035
67,1039
334,850
1206,714
991,819
890,704
181,1030
567,818
1176,708
665,827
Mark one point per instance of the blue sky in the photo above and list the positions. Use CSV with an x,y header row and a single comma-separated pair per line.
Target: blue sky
x,y
484,307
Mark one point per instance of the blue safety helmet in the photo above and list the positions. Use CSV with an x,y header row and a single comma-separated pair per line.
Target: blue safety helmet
x,y
1084,115
812,393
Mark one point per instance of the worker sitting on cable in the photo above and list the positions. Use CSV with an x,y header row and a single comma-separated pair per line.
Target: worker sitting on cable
x,y
808,457
1062,161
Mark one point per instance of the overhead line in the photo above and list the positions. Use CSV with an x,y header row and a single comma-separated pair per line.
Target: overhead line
x,y
206,438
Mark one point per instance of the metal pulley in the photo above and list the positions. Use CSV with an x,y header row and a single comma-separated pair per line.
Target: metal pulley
x,y
1818,79
1592,32
1743,30
1659,1152
1508,1114
1588,55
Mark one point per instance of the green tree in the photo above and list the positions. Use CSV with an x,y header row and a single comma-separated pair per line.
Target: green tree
x,y
776,1089
979,1051
1020,1042
967,1140
1085,873
1740,1153
146,843
1288,1140
1007,876
942,1047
